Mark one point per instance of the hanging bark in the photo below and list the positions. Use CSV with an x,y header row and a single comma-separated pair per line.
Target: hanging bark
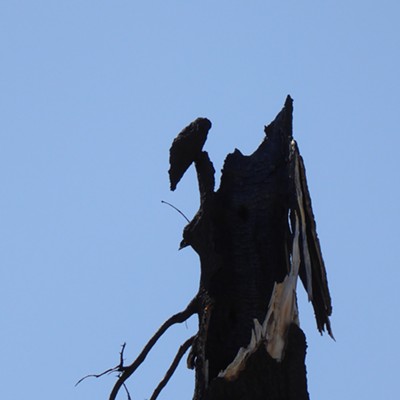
x,y
254,236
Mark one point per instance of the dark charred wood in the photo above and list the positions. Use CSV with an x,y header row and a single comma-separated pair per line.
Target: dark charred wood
x,y
254,236
244,235
265,378
321,299
186,148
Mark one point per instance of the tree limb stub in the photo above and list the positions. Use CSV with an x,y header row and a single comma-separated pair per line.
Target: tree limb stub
x,y
186,148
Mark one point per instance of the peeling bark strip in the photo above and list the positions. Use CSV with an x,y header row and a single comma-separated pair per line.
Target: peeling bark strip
x,y
255,236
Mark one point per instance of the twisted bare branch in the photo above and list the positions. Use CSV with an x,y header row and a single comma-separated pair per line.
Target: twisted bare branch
x,y
127,371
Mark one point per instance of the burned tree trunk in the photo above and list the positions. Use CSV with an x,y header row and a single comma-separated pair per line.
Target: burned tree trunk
x,y
254,236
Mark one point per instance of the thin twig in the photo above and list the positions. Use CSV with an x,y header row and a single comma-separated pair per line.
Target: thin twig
x,y
182,350
127,392
121,355
117,368
177,209
109,371
126,372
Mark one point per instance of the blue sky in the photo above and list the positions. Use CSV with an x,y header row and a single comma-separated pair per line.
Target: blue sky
x,y
92,94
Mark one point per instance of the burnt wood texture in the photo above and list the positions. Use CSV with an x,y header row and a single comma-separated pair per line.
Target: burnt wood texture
x,y
254,236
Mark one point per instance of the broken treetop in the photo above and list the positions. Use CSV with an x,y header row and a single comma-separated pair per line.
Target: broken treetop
x,y
241,232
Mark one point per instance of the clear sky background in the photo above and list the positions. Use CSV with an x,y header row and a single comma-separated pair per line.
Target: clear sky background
x,y
92,94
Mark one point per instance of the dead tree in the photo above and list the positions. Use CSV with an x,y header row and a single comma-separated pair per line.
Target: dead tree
x,y
254,236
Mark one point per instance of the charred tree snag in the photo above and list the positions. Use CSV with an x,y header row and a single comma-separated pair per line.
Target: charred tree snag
x,y
254,236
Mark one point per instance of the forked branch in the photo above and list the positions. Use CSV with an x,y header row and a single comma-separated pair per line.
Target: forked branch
x,y
127,371
117,368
